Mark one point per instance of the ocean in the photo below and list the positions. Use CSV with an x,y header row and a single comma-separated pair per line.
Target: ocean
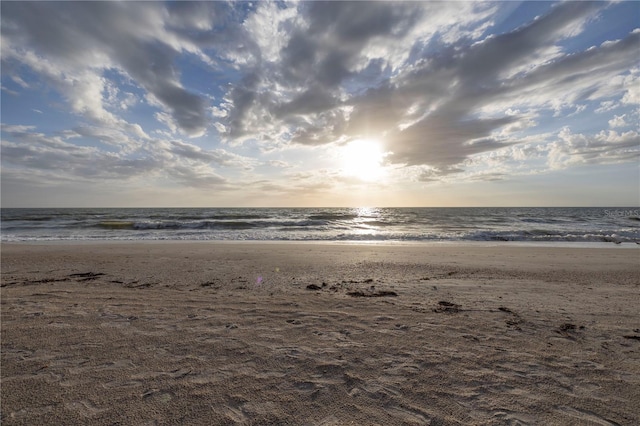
x,y
613,224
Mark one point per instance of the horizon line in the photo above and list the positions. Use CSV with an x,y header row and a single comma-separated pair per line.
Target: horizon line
x,y
317,207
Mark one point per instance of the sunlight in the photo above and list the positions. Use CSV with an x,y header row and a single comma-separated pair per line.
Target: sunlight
x,y
362,159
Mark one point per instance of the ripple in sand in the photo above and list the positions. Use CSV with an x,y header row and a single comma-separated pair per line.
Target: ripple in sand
x,y
585,416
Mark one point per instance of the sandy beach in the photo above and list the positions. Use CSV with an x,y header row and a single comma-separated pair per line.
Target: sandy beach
x,y
319,334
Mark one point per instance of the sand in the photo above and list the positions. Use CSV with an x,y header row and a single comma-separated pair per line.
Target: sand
x,y
319,334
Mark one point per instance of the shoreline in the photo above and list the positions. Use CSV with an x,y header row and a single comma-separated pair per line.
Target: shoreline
x,y
369,243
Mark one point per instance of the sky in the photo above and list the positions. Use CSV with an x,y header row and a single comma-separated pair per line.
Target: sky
x,y
287,104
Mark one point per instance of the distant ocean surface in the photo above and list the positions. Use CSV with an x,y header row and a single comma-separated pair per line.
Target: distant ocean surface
x,y
614,224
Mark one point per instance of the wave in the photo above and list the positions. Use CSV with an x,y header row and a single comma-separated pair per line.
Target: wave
x,y
551,236
325,224
379,223
207,224
333,216
29,218
288,236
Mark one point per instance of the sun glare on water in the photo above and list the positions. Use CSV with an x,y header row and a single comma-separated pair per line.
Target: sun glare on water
x,y
362,159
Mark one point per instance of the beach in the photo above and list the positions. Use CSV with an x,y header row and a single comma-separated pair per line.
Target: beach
x,y
204,333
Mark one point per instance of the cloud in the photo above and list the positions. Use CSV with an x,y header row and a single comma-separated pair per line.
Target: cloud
x,y
72,44
119,137
67,161
63,160
443,141
631,85
219,157
9,91
279,164
199,176
429,174
606,147
618,121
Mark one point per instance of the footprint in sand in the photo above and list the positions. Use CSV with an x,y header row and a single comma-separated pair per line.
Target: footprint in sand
x,y
408,415
85,408
127,384
31,412
235,414
158,395
512,417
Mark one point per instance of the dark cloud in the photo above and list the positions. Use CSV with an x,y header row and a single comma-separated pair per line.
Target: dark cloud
x,y
128,36
484,62
197,17
591,66
187,109
242,98
299,57
314,100
355,22
337,33
442,141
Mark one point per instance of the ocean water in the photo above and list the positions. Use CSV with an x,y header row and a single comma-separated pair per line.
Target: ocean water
x,y
324,224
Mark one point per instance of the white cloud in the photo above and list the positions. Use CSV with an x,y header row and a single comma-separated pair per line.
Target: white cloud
x,y
16,128
167,120
618,121
269,27
631,84
9,91
606,106
20,81
605,147
127,100
279,163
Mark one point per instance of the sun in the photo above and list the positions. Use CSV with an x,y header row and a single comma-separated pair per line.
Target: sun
x,y
362,159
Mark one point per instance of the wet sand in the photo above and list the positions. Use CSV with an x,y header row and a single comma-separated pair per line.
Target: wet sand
x,y
319,334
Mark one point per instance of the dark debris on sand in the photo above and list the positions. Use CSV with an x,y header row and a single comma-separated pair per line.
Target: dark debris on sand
x,y
214,283
448,307
86,276
346,284
568,330
515,321
381,293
